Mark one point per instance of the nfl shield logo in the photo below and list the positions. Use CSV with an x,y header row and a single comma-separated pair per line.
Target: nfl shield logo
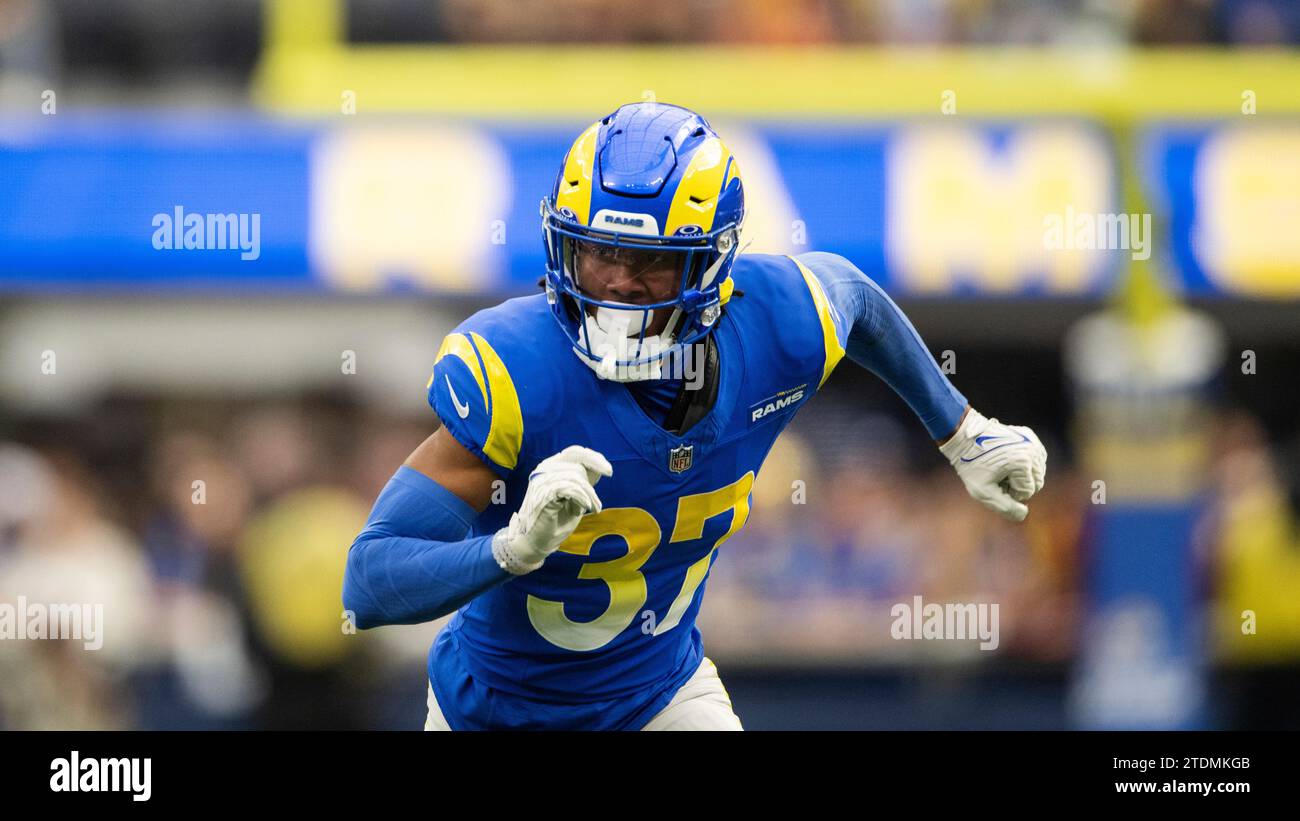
x,y
680,458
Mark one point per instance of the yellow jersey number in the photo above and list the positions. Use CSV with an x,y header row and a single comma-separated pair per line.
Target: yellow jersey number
x,y
627,587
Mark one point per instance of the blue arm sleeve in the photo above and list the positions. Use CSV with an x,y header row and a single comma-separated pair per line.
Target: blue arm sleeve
x,y
878,336
412,562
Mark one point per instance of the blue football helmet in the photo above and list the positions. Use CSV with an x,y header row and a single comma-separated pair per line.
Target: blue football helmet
x,y
649,177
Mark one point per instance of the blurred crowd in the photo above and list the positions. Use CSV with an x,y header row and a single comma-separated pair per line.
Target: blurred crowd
x,y
855,512
124,40
215,536
1008,22
151,51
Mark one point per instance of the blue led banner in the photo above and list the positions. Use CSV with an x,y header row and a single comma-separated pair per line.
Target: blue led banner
x,y
1230,195
221,201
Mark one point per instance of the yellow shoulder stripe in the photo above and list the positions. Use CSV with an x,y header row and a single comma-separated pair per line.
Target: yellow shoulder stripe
x,y
831,341
458,345
500,400
506,434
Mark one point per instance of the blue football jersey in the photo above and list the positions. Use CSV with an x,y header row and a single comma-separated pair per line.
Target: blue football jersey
x,y
603,634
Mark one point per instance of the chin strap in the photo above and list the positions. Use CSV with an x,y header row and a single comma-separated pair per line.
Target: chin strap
x,y
699,390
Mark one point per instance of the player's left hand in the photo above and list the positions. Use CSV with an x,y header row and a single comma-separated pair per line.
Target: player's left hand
x,y
1001,465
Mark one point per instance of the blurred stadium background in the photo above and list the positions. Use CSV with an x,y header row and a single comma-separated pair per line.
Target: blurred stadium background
x,y
393,152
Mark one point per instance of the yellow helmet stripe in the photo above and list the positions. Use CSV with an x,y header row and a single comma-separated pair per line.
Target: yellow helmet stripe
x,y
575,188
696,200
733,171
831,341
506,431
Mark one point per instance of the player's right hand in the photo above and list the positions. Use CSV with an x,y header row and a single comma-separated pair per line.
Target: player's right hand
x,y
561,490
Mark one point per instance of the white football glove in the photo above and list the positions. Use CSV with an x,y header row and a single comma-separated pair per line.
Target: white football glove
x,y
1001,465
560,492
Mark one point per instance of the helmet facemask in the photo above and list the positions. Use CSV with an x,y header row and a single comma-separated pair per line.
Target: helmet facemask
x,y
674,281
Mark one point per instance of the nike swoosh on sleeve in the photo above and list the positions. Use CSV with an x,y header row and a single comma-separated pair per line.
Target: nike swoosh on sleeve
x,y
462,410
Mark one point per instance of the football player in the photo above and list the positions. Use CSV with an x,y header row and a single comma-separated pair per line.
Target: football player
x,y
599,442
